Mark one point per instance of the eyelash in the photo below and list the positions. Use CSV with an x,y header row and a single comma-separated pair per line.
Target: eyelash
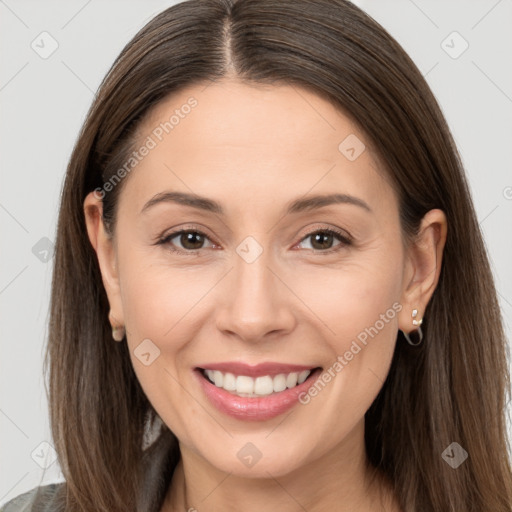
x,y
342,237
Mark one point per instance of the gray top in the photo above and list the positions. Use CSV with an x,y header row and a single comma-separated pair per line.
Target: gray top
x,y
43,496
159,461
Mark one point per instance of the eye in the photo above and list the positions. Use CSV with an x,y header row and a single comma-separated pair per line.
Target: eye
x,y
190,241
322,240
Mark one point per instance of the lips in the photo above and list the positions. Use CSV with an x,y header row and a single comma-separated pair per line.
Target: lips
x,y
253,406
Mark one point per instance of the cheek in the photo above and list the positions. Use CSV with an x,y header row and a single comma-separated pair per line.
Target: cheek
x,y
354,297
357,311
157,296
161,304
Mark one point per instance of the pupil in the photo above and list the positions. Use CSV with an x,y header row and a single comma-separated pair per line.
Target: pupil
x,y
189,238
318,236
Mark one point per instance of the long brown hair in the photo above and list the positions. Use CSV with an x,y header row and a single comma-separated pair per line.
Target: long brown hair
x,y
451,388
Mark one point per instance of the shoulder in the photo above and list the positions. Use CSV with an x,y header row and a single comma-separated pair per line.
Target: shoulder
x,y
40,499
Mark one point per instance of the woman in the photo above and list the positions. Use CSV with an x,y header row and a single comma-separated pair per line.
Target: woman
x,y
266,210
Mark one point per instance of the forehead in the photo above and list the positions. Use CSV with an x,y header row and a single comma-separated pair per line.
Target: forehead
x,y
228,139
249,118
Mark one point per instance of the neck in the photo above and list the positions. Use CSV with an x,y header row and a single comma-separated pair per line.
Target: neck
x,y
340,480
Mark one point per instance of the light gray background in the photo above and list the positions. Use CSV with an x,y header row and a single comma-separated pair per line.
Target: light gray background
x,y
43,104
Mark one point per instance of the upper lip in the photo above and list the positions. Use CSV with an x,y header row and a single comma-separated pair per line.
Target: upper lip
x,y
258,370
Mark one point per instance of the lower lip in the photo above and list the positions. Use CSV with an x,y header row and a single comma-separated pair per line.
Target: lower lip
x,y
252,408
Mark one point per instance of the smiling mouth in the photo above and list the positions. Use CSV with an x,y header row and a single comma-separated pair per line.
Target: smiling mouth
x,y
256,387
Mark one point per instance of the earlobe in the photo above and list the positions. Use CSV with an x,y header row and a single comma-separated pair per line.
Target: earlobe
x,y
104,247
424,261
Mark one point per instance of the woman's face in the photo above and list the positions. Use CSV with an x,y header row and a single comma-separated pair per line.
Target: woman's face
x,y
255,282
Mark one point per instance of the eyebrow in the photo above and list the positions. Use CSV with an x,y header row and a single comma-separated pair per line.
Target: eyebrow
x,y
297,206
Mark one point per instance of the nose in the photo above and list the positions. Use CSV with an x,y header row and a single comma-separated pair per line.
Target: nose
x,y
256,302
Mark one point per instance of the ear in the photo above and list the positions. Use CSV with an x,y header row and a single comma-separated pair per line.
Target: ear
x,y
105,247
422,268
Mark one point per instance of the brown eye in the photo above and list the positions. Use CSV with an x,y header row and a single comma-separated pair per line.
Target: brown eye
x,y
191,240
323,240
184,241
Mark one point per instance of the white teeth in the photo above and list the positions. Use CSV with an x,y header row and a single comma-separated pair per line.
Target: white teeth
x,y
218,378
244,384
260,386
263,385
291,380
229,382
303,376
279,383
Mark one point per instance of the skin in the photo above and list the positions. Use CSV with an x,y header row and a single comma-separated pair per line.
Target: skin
x,y
254,149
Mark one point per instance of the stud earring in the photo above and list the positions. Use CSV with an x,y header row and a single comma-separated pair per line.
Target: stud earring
x,y
118,333
414,321
418,331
